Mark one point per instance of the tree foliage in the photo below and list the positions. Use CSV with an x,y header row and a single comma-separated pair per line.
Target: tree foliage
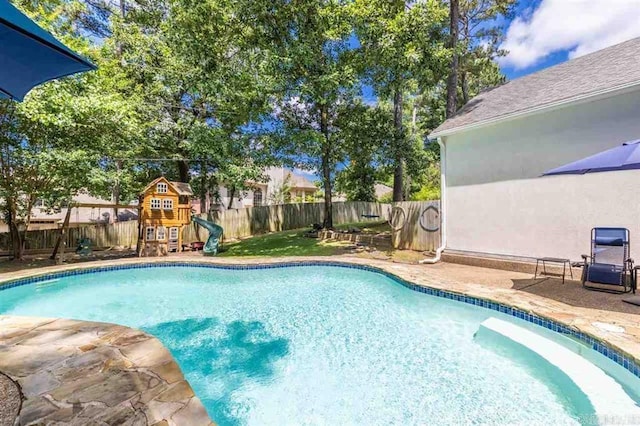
x,y
366,134
314,76
481,32
402,43
52,143
215,91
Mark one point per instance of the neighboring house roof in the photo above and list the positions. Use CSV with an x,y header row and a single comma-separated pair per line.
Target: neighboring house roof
x,y
608,70
181,188
382,189
276,176
84,214
301,182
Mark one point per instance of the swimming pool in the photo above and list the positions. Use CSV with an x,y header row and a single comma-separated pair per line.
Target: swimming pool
x,y
315,345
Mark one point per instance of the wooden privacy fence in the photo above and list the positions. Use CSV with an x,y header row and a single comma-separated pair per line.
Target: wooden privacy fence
x,y
236,224
123,234
416,225
259,220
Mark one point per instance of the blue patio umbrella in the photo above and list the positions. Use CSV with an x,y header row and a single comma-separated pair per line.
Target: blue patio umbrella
x,y
30,56
623,157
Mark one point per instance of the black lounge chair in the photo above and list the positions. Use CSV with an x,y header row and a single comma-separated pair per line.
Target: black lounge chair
x,y
609,263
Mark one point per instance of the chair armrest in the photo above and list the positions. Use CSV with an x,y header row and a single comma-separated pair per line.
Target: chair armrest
x,y
585,257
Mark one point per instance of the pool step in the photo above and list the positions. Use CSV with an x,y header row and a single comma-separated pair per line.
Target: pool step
x,y
606,395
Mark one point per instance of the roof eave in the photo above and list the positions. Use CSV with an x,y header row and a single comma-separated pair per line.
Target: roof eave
x,y
590,97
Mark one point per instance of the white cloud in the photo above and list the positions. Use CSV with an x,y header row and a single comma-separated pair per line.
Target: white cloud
x,y
578,26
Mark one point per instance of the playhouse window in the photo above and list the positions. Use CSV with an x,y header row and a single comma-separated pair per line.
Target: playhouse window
x,y
161,234
162,188
155,204
150,233
167,204
173,233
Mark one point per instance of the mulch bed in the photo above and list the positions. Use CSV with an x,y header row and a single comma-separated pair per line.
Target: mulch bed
x,y
11,401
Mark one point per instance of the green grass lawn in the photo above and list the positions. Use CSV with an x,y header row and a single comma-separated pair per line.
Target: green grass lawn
x,y
292,243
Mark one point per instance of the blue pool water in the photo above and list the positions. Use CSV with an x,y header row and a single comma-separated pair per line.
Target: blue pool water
x,y
313,345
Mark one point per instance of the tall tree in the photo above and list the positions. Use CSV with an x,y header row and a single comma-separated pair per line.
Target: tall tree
x,y
309,42
482,30
366,132
400,42
228,91
53,144
452,79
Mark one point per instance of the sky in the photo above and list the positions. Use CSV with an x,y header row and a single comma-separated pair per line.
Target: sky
x,y
546,32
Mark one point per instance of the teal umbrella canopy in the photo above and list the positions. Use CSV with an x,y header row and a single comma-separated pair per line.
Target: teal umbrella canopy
x,y
30,56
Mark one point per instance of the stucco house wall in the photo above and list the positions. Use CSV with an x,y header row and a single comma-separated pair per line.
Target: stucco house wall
x,y
497,203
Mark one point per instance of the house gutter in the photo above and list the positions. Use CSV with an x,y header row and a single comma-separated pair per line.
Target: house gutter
x,y
443,199
576,100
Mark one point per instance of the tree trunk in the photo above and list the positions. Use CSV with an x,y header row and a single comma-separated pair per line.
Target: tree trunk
x,y
464,83
123,10
27,223
452,80
214,194
407,188
183,171
326,167
231,195
17,245
116,190
203,187
398,172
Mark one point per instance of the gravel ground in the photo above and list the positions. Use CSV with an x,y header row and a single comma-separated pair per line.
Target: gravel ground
x,y
10,397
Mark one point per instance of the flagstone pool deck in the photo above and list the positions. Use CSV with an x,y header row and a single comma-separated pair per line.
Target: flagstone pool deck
x,y
81,372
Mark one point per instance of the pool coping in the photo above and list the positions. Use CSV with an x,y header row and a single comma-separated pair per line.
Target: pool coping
x,y
550,314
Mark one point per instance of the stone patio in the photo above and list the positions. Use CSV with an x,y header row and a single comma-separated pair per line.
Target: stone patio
x,y
81,372
76,372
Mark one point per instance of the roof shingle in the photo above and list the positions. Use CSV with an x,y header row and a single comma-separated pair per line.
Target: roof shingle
x,y
605,70
299,181
182,188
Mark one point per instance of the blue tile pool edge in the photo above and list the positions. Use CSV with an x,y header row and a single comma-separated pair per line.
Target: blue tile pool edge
x,y
627,362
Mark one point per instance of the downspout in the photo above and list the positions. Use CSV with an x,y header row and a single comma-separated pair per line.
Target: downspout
x,y
443,199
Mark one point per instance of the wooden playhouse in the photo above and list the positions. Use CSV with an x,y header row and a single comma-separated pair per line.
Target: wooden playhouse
x,y
165,209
